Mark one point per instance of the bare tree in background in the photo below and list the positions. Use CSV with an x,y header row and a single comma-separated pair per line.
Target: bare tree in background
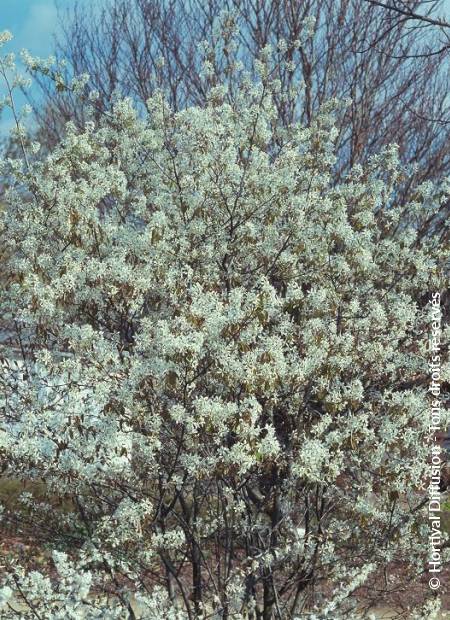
x,y
405,10
394,68
390,58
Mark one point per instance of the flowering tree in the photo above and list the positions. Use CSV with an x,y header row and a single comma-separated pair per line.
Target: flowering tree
x,y
221,365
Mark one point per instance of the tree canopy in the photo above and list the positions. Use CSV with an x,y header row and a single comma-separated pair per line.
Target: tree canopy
x,y
221,363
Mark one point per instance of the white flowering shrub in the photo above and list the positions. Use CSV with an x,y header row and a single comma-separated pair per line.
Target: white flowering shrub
x,y
223,367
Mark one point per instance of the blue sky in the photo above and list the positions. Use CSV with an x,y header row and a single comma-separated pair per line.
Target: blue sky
x,y
33,24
